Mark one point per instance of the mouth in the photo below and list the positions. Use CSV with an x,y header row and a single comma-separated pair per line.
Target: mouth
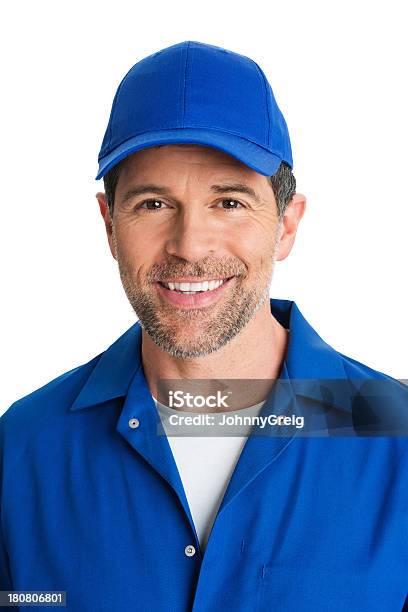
x,y
193,294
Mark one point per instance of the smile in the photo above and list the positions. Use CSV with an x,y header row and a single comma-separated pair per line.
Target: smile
x,y
192,288
189,295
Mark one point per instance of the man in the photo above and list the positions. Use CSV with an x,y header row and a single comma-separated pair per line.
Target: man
x,y
97,501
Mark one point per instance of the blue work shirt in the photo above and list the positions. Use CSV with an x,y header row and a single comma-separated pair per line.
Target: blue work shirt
x,y
94,506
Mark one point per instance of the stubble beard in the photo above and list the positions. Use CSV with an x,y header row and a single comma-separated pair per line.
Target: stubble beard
x,y
186,334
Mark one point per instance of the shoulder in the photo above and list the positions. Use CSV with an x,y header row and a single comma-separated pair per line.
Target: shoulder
x,y
47,401
380,402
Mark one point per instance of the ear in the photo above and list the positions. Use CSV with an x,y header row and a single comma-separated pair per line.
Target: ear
x,y
293,213
104,209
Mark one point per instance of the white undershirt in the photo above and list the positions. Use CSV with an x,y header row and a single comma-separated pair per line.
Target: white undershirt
x,y
205,463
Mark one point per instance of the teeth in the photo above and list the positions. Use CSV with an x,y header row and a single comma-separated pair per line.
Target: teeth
x,y
190,288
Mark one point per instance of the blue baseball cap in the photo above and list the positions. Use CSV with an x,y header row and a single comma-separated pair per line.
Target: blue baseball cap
x,y
196,93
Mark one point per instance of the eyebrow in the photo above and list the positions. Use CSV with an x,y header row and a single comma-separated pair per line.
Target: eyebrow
x,y
160,189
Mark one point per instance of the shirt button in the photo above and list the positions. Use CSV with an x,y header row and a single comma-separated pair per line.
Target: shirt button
x,y
133,423
189,550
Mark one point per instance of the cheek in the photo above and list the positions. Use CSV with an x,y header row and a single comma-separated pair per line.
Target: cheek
x,y
131,233
252,241
142,240
136,252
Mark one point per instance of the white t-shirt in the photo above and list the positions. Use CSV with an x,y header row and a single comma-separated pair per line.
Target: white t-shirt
x,y
205,463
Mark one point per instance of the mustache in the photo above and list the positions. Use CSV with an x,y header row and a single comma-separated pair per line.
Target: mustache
x,y
204,269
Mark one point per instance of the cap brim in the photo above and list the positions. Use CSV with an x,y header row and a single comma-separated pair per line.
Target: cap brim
x,y
256,157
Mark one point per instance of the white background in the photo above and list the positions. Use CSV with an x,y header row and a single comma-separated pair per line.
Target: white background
x,y
338,71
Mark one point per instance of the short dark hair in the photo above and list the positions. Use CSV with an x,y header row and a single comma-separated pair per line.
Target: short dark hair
x,y
283,185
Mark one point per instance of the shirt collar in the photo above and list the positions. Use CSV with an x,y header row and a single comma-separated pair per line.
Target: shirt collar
x,y
311,364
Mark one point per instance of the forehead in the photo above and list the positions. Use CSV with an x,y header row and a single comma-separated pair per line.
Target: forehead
x,y
182,156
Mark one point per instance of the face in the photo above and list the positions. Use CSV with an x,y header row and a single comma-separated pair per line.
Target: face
x,y
184,217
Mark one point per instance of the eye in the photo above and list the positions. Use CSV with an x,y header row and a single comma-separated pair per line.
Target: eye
x,y
152,205
231,204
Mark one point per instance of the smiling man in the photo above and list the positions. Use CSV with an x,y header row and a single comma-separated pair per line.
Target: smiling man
x,y
294,497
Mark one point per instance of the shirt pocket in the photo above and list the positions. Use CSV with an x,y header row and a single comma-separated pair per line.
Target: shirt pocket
x,y
299,589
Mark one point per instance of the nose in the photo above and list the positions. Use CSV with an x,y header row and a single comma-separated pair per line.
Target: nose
x,y
193,235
